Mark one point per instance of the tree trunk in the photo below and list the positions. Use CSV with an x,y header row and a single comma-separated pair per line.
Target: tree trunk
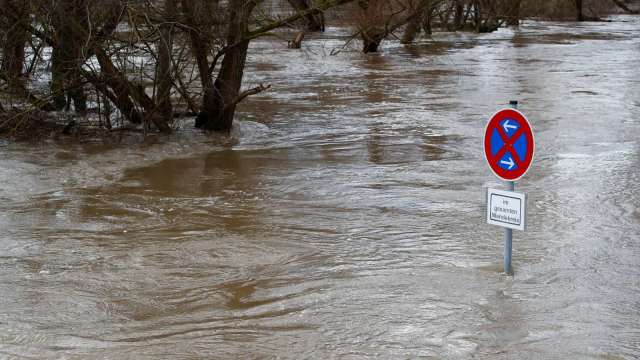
x,y
411,31
13,46
71,29
426,24
459,13
579,12
219,102
513,13
164,76
491,22
476,15
313,22
126,91
370,33
58,78
413,27
122,101
371,40
373,36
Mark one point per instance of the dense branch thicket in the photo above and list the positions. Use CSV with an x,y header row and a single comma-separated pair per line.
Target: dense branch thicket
x,y
142,58
146,61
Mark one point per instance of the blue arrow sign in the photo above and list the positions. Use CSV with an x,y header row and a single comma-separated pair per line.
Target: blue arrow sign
x,y
517,148
510,126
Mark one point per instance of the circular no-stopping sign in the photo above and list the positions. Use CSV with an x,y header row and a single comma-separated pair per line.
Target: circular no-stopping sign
x,y
509,144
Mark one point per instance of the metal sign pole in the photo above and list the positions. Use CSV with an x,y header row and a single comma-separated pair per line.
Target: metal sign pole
x,y
508,237
508,233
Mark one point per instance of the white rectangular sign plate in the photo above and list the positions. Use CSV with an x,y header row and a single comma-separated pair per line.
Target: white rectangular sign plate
x,y
506,209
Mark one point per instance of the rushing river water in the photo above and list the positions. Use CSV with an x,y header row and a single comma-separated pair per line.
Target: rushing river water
x,y
345,216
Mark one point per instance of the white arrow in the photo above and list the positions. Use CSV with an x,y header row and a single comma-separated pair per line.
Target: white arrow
x,y
506,126
510,162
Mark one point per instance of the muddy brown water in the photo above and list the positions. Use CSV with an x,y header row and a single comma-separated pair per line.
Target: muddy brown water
x,y
344,216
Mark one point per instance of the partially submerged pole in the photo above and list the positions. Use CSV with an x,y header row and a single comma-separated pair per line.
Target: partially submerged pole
x,y
508,233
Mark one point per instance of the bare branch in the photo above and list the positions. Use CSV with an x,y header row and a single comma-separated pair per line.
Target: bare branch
x,y
624,7
321,7
253,91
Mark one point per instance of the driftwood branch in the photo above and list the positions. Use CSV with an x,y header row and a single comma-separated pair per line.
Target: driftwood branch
x,y
253,91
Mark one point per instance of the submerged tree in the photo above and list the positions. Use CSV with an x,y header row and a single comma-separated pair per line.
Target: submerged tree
x,y
223,94
134,53
153,60
377,19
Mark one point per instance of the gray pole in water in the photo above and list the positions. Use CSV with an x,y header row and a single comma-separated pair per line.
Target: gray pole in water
x,y
508,233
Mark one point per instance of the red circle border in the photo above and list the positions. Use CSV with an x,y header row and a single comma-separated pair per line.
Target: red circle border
x,y
494,122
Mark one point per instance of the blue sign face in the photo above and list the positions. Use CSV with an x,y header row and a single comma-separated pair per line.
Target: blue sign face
x,y
509,144
508,135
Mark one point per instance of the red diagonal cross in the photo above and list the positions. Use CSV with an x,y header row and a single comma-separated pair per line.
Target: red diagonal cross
x,y
508,145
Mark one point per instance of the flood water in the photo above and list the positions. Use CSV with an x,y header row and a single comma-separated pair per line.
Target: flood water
x,y
344,218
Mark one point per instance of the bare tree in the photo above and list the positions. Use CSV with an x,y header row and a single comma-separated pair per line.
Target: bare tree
x,y
151,60
222,95
14,41
377,19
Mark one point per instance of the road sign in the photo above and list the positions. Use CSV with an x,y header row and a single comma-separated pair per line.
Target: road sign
x,y
506,209
508,144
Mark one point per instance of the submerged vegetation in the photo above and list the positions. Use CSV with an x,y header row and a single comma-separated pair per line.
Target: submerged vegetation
x,y
142,64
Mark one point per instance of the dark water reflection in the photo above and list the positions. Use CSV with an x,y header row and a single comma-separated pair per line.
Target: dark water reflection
x,y
351,225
